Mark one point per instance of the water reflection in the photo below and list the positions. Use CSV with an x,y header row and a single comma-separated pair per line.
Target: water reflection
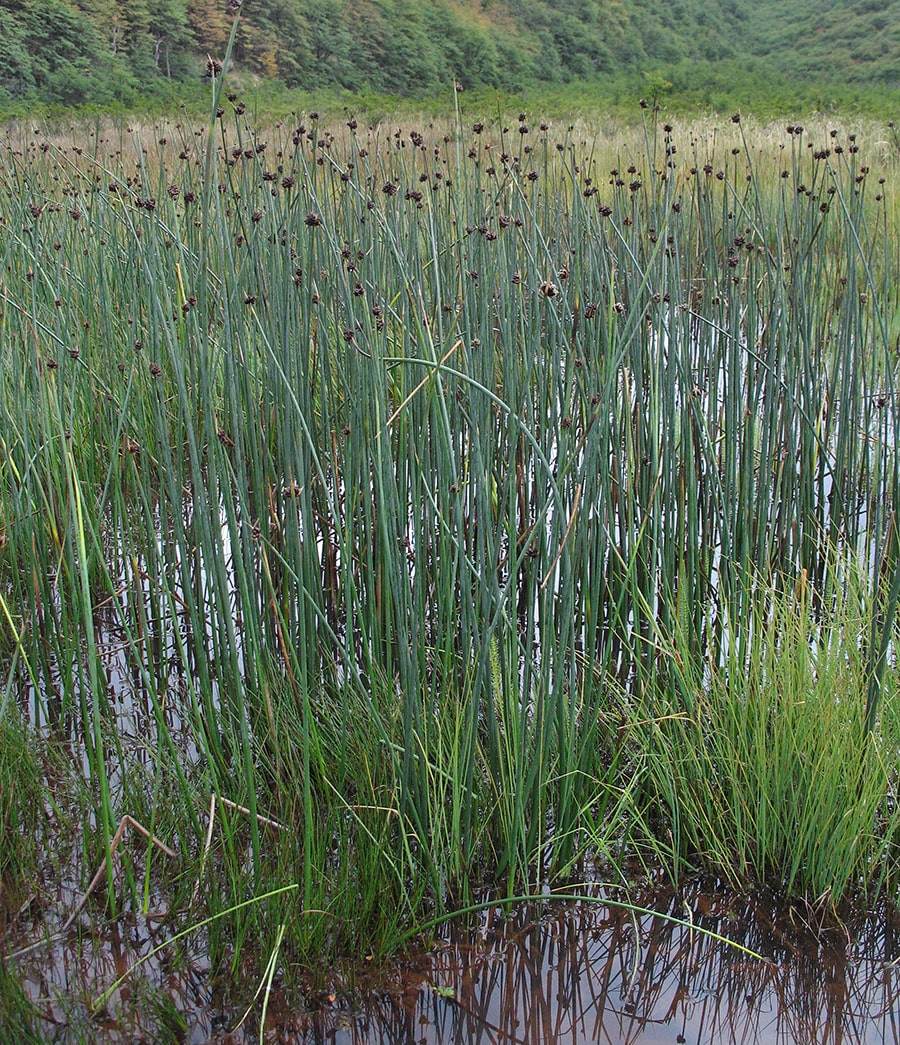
x,y
555,973
591,973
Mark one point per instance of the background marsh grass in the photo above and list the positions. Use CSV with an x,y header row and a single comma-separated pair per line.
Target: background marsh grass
x,y
353,477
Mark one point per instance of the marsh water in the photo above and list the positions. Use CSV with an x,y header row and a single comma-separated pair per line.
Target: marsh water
x,y
551,972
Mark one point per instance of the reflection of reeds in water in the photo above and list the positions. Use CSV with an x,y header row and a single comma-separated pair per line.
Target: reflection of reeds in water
x,y
594,974
550,974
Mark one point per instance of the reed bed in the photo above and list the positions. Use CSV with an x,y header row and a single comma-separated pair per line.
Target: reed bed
x,y
463,503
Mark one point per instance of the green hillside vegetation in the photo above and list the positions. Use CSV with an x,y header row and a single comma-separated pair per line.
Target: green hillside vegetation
x,y
856,41
99,52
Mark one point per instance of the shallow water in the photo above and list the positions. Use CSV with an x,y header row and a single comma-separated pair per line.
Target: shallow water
x,y
556,972
592,973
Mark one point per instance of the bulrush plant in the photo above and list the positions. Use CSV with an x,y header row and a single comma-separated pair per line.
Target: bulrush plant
x,y
439,496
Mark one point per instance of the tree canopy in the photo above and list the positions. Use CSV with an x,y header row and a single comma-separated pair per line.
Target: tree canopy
x,y
83,51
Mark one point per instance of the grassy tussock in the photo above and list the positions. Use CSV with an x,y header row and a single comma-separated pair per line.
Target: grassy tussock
x,y
762,764
21,798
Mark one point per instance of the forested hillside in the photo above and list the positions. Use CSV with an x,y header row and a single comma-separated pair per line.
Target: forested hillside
x,y
852,40
100,51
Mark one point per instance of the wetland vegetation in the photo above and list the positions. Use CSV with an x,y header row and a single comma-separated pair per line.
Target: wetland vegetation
x,y
389,512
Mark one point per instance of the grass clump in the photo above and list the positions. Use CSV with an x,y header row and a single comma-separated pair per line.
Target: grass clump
x,y
762,764
24,804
